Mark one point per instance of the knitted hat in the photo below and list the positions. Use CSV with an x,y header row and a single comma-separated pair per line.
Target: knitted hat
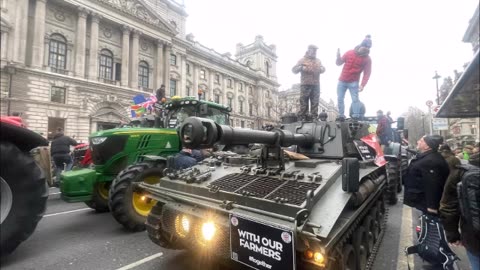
x,y
367,42
312,47
433,141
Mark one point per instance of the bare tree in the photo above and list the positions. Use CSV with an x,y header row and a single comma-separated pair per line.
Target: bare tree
x,y
418,123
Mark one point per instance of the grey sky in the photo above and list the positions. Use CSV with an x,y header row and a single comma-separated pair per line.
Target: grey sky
x,y
411,39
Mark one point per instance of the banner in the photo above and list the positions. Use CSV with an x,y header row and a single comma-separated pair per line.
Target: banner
x,y
373,141
261,246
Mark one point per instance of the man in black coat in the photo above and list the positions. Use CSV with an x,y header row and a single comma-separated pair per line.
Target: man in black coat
x,y
426,176
60,152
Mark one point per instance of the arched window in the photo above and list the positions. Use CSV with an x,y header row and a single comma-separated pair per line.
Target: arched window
x,y
240,106
57,53
229,83
267,68
106,64
143,72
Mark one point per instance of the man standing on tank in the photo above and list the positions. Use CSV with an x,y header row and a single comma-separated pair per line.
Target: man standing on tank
x,y
354,63
310,69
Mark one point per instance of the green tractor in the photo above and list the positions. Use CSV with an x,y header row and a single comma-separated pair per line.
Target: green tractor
x,y
114,149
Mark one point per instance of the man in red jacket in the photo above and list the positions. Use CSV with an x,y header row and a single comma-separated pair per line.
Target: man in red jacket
x,y
354,63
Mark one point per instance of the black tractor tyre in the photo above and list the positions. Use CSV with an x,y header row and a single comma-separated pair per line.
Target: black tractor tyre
x,y
98,202
29,191
392,182
121,194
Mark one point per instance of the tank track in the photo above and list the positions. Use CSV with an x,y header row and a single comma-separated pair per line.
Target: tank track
x,y
349,235
373,255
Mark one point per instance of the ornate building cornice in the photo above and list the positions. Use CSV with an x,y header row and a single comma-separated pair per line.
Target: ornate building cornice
x,y
139,10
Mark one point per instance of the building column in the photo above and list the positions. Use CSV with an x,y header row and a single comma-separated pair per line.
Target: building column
x,y
211,74
39,34
183,74
125,54
134,62
93,57
195,80
80,42
20,31
159,65
3,44
168,51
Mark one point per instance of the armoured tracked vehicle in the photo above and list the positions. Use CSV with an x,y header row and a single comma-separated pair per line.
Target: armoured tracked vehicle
x,y
272,212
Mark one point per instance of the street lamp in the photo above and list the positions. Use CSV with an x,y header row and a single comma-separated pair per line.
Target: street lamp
x,y
423,122
10,69
436,77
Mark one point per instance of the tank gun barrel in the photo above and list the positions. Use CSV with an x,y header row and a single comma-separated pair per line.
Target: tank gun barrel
x,y
200,132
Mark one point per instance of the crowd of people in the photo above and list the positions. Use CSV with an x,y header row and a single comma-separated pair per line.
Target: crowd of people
x,y
432,187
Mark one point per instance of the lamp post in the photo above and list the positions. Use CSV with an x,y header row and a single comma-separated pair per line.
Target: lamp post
x,y
10,69
423,122
436,77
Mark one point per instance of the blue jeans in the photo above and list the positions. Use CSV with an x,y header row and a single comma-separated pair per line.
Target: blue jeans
x,y
341,90
474,260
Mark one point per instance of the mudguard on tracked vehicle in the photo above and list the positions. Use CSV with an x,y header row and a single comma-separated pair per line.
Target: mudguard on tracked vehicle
x,y
271,212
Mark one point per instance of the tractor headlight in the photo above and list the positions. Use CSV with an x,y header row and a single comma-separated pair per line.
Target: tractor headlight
x,y
182,225
98,140
208,230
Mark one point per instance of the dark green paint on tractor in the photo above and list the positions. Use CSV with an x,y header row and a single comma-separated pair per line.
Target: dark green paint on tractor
x,y
115,149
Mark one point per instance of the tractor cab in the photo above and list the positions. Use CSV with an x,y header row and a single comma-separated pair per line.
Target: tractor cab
x,y
177,110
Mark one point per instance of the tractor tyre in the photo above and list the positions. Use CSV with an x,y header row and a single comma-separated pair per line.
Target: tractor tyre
x,y
99,200
392,183
24,193
129,206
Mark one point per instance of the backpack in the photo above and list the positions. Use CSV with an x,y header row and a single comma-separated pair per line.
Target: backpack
x,y
432,243
468,190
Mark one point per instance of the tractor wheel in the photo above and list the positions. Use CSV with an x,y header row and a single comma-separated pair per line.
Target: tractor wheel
x,y
99,200
23,198
128,206
392,183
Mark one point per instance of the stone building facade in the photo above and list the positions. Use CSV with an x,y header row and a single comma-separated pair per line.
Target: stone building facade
x,y
77,64
289,102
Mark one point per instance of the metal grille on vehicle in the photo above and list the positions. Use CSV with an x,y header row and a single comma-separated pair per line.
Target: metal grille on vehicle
x,y
260,187
232,182
293,192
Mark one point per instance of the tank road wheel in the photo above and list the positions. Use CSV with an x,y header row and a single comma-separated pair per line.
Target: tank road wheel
x,y
361,247
99,200
24,193
370,226
380,212
129,207
393,173
348,258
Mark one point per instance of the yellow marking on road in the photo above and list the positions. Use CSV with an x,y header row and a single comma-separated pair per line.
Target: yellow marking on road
x,y
406,240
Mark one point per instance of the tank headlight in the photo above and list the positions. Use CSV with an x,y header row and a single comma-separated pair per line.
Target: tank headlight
x,y
208,230
182,225
98,140
318,257
308,254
